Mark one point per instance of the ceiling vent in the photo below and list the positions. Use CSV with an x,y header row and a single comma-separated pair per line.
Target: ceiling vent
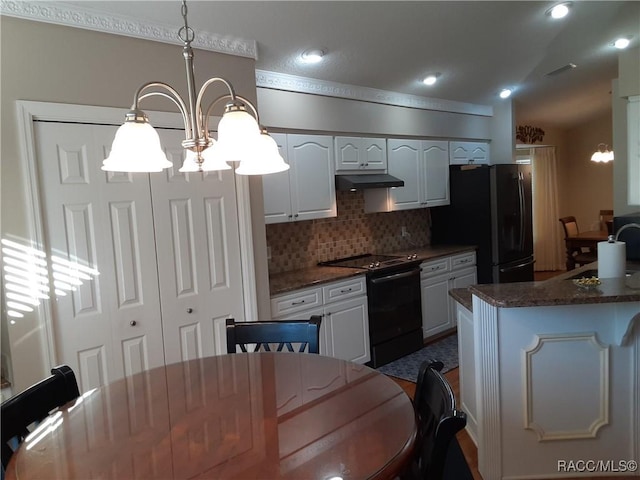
x,y
567,67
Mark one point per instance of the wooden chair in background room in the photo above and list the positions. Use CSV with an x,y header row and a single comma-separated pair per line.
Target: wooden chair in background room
x,y
438,454
34,405
284,333
581,257
606,220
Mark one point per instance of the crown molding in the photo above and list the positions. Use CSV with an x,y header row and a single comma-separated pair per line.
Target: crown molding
x,y
72,16
293,83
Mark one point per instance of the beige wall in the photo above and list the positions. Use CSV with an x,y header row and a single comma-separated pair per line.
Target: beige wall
x,y
627,85
588,186
293,111
51,63
584,187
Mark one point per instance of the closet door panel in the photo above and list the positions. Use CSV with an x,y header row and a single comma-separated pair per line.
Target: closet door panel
x,y
195,217
98,229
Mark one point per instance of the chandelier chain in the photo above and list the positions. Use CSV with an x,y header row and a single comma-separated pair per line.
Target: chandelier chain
x,y
186,33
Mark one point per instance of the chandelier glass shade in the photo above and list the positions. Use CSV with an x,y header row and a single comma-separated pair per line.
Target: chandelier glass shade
x,y
136,146
602,154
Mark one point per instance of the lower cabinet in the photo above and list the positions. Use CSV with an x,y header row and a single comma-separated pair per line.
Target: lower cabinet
x,y
438,276
467,377
344,332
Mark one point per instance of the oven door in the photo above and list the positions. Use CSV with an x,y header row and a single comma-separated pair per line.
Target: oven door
x,y
394,303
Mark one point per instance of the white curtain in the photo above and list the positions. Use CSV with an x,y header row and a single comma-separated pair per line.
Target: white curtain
x,y
548,244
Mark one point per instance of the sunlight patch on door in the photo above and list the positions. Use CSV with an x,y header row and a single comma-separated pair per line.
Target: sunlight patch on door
x,y
27,272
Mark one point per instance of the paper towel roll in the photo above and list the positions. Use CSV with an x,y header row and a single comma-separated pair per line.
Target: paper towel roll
x,y
611,259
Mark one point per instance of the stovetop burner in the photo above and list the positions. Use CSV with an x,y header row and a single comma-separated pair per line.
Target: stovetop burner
x,y
370,261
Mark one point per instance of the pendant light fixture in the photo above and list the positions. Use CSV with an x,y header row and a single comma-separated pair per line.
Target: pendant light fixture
x,y
602,154
136,146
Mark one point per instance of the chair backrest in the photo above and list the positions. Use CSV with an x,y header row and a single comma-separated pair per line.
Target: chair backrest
x,y
438,420
605,216
570,226
283,333
33,405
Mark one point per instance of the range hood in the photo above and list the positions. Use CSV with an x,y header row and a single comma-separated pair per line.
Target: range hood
x,y
361,182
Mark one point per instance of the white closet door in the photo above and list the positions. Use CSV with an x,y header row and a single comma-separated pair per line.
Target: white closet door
x,y
197,241
110,325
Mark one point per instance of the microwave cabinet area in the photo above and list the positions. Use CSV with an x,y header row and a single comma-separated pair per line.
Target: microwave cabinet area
x,y
360,154
423,165
307,190
344,331
436,279
468,153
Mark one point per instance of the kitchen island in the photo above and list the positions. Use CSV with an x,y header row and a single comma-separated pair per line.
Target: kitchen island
x,y
550,377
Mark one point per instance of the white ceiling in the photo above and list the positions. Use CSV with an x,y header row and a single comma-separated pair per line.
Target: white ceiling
x,y
478,46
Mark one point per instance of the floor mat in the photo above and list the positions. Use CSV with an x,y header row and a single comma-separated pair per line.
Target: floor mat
x,y
445,350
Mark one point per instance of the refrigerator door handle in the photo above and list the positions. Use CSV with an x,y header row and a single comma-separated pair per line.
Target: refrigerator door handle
x,y
522,207
515,267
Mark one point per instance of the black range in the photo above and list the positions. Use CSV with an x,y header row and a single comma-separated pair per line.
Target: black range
x,y
394,303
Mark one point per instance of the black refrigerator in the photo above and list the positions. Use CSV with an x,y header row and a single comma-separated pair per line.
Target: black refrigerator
x,y
490,208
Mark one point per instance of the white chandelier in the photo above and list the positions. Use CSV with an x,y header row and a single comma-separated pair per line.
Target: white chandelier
x,y
602,154
136,146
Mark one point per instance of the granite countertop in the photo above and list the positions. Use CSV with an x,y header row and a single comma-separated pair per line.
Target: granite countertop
x,y
309,277
558,290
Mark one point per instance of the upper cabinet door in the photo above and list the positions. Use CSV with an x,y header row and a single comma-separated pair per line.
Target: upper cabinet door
x,y
356,154
374,153
277,197
463,153
348,153
404,162
435,157
313,191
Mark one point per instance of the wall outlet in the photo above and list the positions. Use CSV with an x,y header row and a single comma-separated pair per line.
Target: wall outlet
x,y
404,232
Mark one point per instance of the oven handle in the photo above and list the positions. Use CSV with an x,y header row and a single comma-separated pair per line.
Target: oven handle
x,y
395,276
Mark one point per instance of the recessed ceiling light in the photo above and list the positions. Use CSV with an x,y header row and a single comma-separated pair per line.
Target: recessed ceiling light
x,y
560,10
622,43
312,56
505,93
431,79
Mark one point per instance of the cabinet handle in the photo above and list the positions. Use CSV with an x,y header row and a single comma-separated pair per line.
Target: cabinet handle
x,y
189,310
133,323
290,216
346,291
296,215
297,303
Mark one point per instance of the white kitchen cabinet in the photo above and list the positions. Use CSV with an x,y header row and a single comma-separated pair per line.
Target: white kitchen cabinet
x,y
466,360
360,154
438,276
423,165
307,190
464,153
344,332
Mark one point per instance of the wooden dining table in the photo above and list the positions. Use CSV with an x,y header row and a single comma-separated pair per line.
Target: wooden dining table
x,y
588,239
237,416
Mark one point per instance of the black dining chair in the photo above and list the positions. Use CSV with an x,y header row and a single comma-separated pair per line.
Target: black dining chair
x,y
438,454
284,333
34,405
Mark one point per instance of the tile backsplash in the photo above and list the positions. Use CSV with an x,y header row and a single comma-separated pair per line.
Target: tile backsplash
x,y
303,244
